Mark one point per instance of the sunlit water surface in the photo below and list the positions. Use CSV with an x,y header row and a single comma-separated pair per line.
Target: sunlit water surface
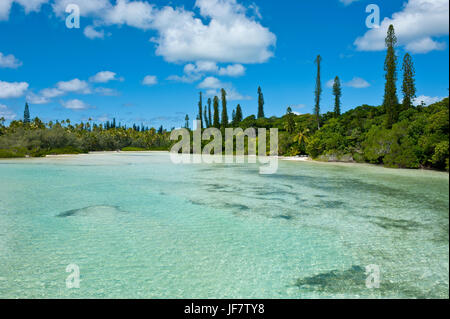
x,y
139,226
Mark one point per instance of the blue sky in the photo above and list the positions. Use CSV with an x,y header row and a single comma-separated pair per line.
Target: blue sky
x,y
182,47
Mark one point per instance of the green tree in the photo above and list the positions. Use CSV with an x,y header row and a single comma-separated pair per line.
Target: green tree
x,y
408,86
233,117
239,115
260,103
26,114
390,101
318,92
224,109
200,113
209,113
290,123
186,125
205,116
337,92
216,122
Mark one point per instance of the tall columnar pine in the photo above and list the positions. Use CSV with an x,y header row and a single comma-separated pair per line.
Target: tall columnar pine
x,y
187,122
200,113
337,92
26,114
205,118
216,122
260,103
224,109
390,101
239,116
318,92
408,86
209,113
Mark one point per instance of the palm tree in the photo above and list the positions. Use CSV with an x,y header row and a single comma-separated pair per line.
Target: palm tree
x,y
301,137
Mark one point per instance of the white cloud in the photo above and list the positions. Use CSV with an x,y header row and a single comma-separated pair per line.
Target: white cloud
x,y
232,70
103,77
87,7
134,14
29,6
212,86
74,85
91,33
210,83
427,99
51,93
6,113
415,25
425,45
9,61
230,36
150,80
357,83
37,99
74,104
12,89
330,83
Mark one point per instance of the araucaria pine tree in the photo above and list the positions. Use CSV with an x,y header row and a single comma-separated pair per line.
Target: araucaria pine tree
x,y
238,114
205,118
390,101
216,122
200,113
318,92
224,109
408,86
187,122
260,103
337,92
26,114
209,113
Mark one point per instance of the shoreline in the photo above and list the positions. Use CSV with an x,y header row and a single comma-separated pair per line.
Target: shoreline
x,y
282,158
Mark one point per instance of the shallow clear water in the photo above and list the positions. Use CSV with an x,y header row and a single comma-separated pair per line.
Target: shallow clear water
x,y
139,226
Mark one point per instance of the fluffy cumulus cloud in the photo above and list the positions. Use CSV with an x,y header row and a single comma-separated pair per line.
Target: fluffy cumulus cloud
x,y
427,100
6,113
74,86
150,80
88,8
103,77
225,31
212,85
357,83
9,61
229,36
12,89
415,26
91,33
75,104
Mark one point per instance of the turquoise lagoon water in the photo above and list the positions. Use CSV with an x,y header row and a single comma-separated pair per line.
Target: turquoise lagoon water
x,y
139,226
